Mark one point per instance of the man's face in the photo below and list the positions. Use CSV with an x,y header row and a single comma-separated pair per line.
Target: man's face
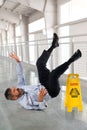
x,y
16,93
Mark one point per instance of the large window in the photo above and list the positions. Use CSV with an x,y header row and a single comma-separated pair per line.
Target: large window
x,y
64,50
18,34
32,49
64,54
37,25
35,34
73,10
76,33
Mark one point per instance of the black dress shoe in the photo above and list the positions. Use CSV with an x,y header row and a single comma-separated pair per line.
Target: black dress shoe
x,y
55,40
75,56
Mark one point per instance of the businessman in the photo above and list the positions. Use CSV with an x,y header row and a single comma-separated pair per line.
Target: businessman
x,y
36,96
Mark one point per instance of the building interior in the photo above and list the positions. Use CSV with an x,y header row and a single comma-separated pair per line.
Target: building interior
x,y
26,28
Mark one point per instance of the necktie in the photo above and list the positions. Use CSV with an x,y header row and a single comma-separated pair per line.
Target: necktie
x,y
29,99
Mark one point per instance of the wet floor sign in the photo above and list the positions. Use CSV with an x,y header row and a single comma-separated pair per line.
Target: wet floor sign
x,y
73,96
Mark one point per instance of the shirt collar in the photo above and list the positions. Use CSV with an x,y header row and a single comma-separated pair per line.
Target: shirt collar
x,y
20,98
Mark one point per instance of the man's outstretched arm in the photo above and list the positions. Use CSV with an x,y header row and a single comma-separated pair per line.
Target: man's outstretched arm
x,y
14,56
21,80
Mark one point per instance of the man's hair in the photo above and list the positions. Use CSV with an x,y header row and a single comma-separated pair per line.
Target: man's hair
x,y
8,94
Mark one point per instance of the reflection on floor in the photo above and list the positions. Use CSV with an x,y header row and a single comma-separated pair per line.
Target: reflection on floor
x,y
55,117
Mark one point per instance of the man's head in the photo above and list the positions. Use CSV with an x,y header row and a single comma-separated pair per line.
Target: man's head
x,y
13,93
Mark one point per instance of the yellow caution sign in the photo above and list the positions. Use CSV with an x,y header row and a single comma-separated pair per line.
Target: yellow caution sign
x,y
73,96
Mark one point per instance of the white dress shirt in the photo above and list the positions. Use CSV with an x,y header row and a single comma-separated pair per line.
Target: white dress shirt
x,y
30,99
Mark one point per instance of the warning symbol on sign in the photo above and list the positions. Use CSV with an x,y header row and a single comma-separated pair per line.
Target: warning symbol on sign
x,y
73,97
74,93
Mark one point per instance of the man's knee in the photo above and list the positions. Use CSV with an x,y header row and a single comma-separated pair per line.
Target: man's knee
x,y
55,93
41,61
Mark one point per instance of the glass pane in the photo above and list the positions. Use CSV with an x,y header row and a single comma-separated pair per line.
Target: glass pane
x,y
73,10
64,55
37,25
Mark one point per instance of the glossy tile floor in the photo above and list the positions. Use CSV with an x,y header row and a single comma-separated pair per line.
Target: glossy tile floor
x,y
55,117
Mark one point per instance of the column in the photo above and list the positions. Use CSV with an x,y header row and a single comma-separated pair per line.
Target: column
x,y
24,36
4,36
4,41
0,39
14,37
50,14
1,51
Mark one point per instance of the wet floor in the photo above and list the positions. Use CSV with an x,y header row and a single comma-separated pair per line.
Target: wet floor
x,y
55,117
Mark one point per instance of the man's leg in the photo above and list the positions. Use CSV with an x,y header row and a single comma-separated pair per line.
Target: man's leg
x,y
43,72
42,60
54,87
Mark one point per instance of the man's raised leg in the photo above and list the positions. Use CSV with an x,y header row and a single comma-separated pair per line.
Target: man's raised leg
x,y
56,73
62,68
43,71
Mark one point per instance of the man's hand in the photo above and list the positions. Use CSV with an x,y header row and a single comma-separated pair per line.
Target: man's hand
x,y
42,94
14,56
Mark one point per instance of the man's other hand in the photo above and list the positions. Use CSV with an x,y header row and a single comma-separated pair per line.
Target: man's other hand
x,y
14,56
42,94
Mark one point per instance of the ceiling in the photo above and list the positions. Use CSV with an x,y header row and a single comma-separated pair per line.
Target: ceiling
x,y
17,8
12,10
